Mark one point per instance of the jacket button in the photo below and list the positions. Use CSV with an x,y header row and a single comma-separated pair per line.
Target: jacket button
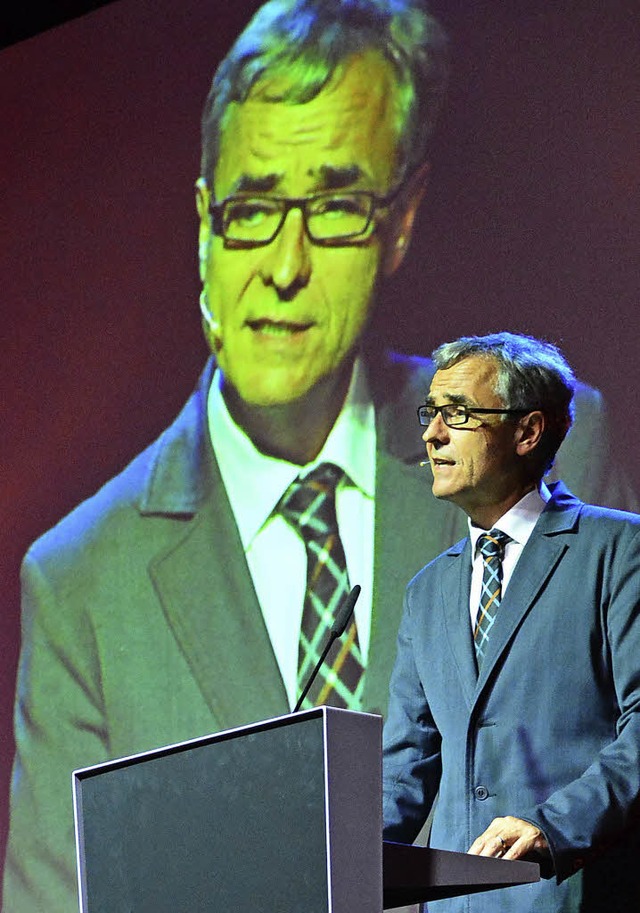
x,y
481,792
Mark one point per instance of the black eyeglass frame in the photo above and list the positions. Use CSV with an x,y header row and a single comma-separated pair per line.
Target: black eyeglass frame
x,y
376,201
469,412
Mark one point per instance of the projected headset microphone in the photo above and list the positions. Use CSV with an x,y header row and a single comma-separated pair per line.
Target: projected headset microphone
x,y
210,320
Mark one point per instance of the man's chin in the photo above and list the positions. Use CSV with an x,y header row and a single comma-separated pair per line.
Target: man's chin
x,y
288,392
443,492
314,383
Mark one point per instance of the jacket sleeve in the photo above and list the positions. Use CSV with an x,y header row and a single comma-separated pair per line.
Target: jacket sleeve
x,y
411,763
598,811
59,719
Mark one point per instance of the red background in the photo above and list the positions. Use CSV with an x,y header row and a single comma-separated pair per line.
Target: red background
x,y
531,224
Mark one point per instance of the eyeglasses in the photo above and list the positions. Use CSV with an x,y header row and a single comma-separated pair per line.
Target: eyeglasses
x,y
330,219
455,415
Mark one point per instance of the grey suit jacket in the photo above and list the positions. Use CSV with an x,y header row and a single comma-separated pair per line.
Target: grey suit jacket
x,y
141,626
549,731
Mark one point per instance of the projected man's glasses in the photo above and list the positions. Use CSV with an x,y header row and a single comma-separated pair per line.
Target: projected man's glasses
x,y
329,218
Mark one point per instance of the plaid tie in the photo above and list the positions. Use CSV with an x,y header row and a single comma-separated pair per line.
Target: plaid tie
x,y
491,546
309,504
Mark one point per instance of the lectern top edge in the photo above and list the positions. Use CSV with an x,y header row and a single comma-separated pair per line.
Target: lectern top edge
x,y
260,725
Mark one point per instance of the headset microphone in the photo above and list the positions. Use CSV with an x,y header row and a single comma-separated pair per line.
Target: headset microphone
x,y
209,319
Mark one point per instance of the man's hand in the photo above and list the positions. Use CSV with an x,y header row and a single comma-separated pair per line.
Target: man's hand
x,y
509,838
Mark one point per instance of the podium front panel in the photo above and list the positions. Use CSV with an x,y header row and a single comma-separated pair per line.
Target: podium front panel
x,y
260,819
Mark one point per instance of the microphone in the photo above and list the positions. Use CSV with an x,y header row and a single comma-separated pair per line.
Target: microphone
x,y
340,622
209,319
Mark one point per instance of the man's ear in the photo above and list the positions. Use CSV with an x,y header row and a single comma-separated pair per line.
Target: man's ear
x,y
402,220
529,432
204,232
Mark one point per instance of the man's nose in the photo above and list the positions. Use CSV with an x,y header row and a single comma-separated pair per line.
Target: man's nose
x,y
287,260
436,430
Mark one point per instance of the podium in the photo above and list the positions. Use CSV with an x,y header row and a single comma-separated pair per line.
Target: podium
x,y
283,816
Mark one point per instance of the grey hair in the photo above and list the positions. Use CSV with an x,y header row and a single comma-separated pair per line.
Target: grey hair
x,y
532,375
310,39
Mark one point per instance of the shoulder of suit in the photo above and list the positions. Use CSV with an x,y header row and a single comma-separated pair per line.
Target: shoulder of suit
x,y
393,375
565,511
441,561
593,513
164,477
102,517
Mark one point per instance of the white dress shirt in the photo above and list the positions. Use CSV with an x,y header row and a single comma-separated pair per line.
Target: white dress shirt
x,y
518,523
274,550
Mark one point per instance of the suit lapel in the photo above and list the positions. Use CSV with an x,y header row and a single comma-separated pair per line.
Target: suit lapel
x,y
208,598
202,578
536,564
453,598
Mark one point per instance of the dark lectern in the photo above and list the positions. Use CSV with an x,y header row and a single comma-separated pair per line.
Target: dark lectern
x,y
283,816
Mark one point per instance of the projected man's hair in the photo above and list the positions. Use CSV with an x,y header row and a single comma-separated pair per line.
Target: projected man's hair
x,y
300,44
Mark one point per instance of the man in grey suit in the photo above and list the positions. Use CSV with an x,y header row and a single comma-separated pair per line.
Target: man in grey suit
x,y
169,605
516,690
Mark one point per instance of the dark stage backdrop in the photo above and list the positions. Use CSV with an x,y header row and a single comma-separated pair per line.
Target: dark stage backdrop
x,y
531,224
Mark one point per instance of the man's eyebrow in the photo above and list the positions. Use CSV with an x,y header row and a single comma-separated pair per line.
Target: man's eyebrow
x,y
252,183
331,177
454,399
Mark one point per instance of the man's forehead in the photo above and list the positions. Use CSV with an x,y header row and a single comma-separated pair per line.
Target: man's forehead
x,y
365,76
347,132
470,380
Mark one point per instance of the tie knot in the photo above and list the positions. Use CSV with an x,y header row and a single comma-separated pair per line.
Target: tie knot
x,y
491,544
310,502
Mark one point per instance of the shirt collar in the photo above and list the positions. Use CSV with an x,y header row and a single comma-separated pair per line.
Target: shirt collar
x,y
519,520
255,482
